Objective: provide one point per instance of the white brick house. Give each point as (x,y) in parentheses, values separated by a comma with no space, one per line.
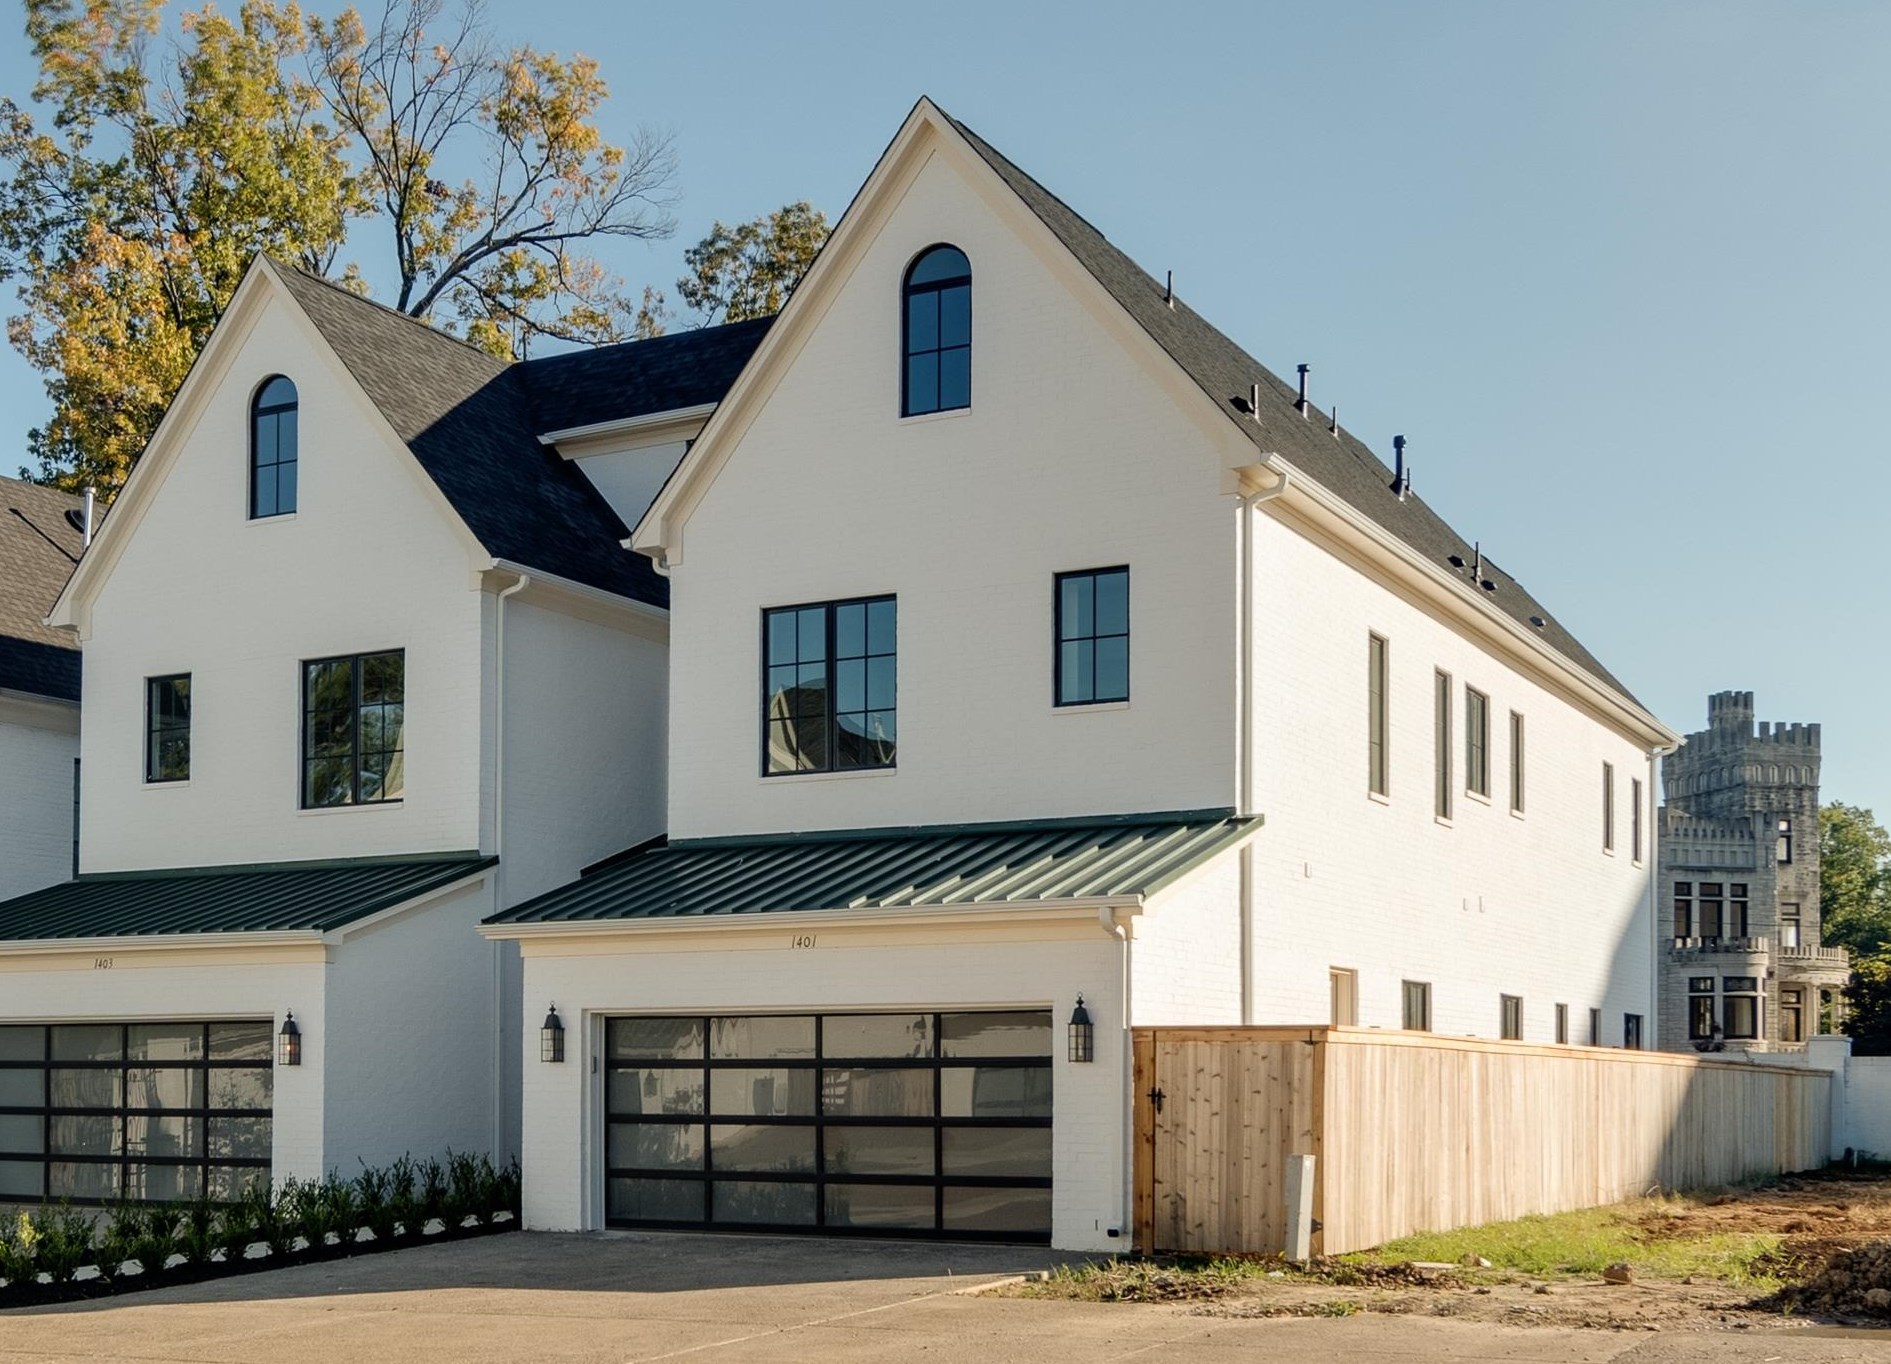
(41,538)
(932,779)
(364,662)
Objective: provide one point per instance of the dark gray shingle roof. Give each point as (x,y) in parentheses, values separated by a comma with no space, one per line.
(39,548)
(473,422)
(1344,466)
(285,897)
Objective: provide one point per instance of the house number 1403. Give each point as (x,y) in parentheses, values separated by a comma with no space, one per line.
(802,940)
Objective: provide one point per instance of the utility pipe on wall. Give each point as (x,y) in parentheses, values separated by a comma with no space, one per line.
(498,847)
(1245,708)
(1653,1031)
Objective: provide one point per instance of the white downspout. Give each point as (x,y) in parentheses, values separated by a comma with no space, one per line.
(499,848)
(1244,681)
(1654,905)
(1126,1185)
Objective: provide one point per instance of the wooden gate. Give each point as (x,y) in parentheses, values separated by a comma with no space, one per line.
(1218,1111)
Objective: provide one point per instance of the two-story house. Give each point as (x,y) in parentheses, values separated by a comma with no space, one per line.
(42,534)
(1742,966)
(365,661)
(1042,665)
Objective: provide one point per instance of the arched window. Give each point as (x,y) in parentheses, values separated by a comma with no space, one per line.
(272,449)
(936,314)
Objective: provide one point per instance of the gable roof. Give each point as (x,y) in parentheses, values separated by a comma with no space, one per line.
(39,548)
(1124,857)
(309,897)
(473,421)
(1226,373)
(638,378)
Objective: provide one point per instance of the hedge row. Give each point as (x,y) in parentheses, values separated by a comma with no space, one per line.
(144,1245)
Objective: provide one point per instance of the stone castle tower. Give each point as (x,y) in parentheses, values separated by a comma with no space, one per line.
(1743,968)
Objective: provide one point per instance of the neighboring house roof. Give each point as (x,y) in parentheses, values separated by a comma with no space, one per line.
(39,547)
(1124,857)
(1226,373)
(473,422)
(638,378)
(282,897)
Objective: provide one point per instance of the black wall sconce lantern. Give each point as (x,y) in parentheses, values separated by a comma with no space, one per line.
(289,1042)
(551,1038)
(1083,1034)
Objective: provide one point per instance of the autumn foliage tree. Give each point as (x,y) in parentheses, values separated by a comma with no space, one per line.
(135,191)
(746,271)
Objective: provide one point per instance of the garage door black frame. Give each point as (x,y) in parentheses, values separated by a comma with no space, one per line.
(821,1123)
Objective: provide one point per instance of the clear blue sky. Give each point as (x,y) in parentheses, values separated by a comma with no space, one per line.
(1618,270)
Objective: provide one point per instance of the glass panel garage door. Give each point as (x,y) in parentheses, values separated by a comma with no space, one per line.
(150,1111)
(916,1124)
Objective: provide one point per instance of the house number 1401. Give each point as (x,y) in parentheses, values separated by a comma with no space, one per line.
(802,940)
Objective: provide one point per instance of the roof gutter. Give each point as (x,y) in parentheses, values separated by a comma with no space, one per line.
(1625,715)
(630,426)
(595,596)
(42,947)
(1099,909)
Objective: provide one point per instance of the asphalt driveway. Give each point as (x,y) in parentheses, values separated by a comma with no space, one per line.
(623,1298)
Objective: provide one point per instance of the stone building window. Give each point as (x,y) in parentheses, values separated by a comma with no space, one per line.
(1700,1008)
(1737,910)
(1709,913)
(1789,925)
(1783,849)
(1740,1005)
(1683,909)
(1792,1014)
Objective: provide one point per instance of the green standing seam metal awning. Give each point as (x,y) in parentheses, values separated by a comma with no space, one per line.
(1128,856)
(283,897)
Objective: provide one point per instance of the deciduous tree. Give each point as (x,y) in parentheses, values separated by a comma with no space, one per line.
(746,271)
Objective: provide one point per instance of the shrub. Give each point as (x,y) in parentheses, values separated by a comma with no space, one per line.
(199,1231)
(65,1241)
(432,1196)
(19,1250)
(403,1196)
(374,1196)
(509,1190)
(152,1234)
(323,1207)
(472,1186)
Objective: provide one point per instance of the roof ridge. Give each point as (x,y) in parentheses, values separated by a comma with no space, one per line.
(409,318)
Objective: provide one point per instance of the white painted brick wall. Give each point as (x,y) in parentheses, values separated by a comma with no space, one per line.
(35,805)
(563,1122)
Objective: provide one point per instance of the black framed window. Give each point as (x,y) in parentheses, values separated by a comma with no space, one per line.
(934,1124)
(273,449)
(354,729)
(1415,999)
(1441,743)
(1710,911)
(1740,1006)
(1792,1014)
(1510,1017)
(1378,775)
(1608,807)
(1737,918)
(1783,841)
(1631,1031)
(830,686)
(1476,742)
(1634,818)
(1516,762)
(1683,909)
(936,331)
(167,728)
(1595,1027)
(157,1112)
(1700,1008)
(1562,1024)
(1092,636)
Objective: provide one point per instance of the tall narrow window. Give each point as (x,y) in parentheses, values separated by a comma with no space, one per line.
(1792,1014)
(1740,1006)
(1516,762)
(1595,1027)
(1510,1017)
(1783,841)
(1442,744)
(1710,913)
(1683,909)
(1789,925)
(1092,636)
(1631,1031)
(354,729)
(1377,767)
(937,326)
(1416,997)
(1344,984)
(829,698)
(1634,818)
(167,728)
(1737,925)
(1476,742)
(1700,1009)
(273,449)
(1562,1024)
(1608,807)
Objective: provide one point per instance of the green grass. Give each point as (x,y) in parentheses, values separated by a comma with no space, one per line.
(1587,1241)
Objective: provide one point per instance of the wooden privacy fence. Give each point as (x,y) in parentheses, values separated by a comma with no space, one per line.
(1414,1132)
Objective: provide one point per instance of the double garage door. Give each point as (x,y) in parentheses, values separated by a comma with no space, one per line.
(892,1124)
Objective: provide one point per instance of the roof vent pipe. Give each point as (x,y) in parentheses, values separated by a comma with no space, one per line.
(1401,476)
(1334,428)
(1168,290)
(1254,401)
(1301,401)
(91,502)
